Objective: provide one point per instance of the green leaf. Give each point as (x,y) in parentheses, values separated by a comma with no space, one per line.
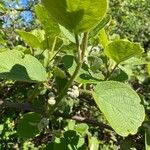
(93,143)
(69,63)
(16,66)
(69,141)
(147,135)
(49,25)
(29,38)
(77,16)
(121,106)
(70,36)
(86,78)
(40,34)
(28,125)
(100,26)
(119,75)
(82,128)
(122,50)
(148,68)
(60,78)
(103,37)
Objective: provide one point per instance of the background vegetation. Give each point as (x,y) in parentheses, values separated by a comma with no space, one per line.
(129,19)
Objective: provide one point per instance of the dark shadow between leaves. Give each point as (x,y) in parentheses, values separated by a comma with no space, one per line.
(69,141)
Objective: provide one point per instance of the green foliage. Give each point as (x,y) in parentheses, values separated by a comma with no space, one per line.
(74,82)
(69,141)
(30,39)
(118,102)
(78,16)
(122,50)
(28,125)
(16,66)
(130,19)
(147,136)
(49,25)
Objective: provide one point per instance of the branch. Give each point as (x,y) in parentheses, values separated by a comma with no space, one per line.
(20,106)
(29,107)
(81,119)
(62,94)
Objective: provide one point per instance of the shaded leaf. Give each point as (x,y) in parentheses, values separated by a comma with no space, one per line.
(28,125)
(69,141)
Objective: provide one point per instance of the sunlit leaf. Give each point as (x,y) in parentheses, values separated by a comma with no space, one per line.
(121,106)
(16,66)
(77,16)
(122,50)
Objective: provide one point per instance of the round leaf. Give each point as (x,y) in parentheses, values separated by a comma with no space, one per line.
(28,125)
(120,105)
(77,16)
(122,50)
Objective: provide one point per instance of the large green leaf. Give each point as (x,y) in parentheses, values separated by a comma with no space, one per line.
(122,50)
(77,16)
(120,105)
(28,125)
(15,66)
(50,26)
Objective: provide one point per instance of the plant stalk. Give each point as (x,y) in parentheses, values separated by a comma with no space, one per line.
(81,55)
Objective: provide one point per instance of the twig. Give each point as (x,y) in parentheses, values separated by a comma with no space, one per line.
(110,74)
(29,107)
(81,119)
(78,67)
(51,51)
(20,106)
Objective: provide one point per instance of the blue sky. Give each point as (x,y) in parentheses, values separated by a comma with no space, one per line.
(24,2)
(26,15)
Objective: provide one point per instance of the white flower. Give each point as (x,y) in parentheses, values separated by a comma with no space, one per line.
(73,92)
(51,99)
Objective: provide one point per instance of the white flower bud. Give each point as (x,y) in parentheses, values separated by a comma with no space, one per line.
(73,92)
(51,101)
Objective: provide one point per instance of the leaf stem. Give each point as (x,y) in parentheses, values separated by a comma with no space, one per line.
(110,74)
(51,50)
(81,55)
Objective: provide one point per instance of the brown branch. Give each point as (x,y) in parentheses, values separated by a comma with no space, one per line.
(29,107)
(81,119)
(20,106)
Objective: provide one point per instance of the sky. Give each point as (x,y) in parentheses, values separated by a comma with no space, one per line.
(26,15)
(24,2)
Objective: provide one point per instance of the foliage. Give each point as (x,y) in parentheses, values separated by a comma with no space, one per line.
(67,83)
(130,19)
